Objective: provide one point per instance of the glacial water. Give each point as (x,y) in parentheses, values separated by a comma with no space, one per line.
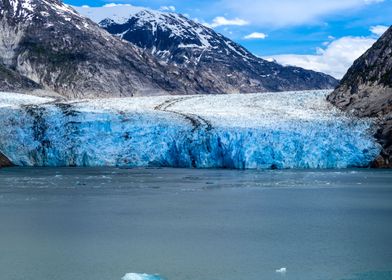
(254,131)
(191,224)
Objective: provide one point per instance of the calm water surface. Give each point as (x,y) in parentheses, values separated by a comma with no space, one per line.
(99,224)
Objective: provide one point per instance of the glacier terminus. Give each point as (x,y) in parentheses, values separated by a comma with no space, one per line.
(252,131)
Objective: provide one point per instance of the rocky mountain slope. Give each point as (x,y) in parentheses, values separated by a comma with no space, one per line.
(175,39)
(366,90)
(11,80)
(51,44)
(47,44)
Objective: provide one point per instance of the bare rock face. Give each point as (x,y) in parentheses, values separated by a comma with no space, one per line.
(50,44)
(4,161)
(218,64)
(366,90)
(47,44)
(12,81)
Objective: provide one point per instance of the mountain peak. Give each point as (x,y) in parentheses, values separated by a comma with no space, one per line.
(55,47)
(29,8)
(175,39)
(49,43)
(168,31)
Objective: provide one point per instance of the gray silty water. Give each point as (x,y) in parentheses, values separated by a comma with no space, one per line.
(101,223)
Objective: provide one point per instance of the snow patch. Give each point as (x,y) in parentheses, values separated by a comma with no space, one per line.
(119,13)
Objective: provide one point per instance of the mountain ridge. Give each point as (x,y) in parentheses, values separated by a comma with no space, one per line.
(51,44)
(366,90)
(175,39)
(48,45)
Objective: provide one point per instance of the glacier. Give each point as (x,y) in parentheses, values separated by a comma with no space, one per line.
(251,131)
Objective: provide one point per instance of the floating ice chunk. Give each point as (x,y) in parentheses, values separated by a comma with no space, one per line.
(281,270)
(141,276)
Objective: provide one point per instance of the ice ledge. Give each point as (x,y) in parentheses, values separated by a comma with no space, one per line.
(271,130)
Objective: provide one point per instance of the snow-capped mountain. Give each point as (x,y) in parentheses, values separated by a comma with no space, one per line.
(175,39)
(48,43)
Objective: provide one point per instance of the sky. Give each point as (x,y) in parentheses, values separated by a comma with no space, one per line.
(322,35)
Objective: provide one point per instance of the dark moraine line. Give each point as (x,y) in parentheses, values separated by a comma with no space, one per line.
(196,121)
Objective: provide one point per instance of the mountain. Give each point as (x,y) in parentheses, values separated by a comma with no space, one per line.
(366,90)
(48,43)
(207,55)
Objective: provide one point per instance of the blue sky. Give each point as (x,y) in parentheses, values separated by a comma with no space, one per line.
(290,31)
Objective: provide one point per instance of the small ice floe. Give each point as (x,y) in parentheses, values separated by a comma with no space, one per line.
(141,276)
(281,270)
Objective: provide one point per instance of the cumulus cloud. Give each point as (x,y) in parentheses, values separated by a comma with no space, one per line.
(222,21)
(334,59)
(110,5)
(288,12)
(378,29)
(255,35)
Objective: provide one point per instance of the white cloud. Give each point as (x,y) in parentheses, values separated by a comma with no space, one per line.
(110,5)
(334,59)
(168,8)
(255,35)
(222,21)
(273,13)
(379,29)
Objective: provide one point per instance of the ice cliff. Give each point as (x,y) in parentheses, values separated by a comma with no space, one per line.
(268,130)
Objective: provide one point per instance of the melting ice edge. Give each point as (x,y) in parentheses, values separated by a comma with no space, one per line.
(266,130)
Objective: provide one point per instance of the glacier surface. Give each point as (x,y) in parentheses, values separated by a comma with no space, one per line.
(265,130)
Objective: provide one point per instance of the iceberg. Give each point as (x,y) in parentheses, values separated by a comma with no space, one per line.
(265,130)
(141,276)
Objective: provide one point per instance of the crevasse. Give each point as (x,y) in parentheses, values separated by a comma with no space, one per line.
(269,130)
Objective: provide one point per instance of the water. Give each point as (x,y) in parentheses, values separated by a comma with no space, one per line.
(186,224)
